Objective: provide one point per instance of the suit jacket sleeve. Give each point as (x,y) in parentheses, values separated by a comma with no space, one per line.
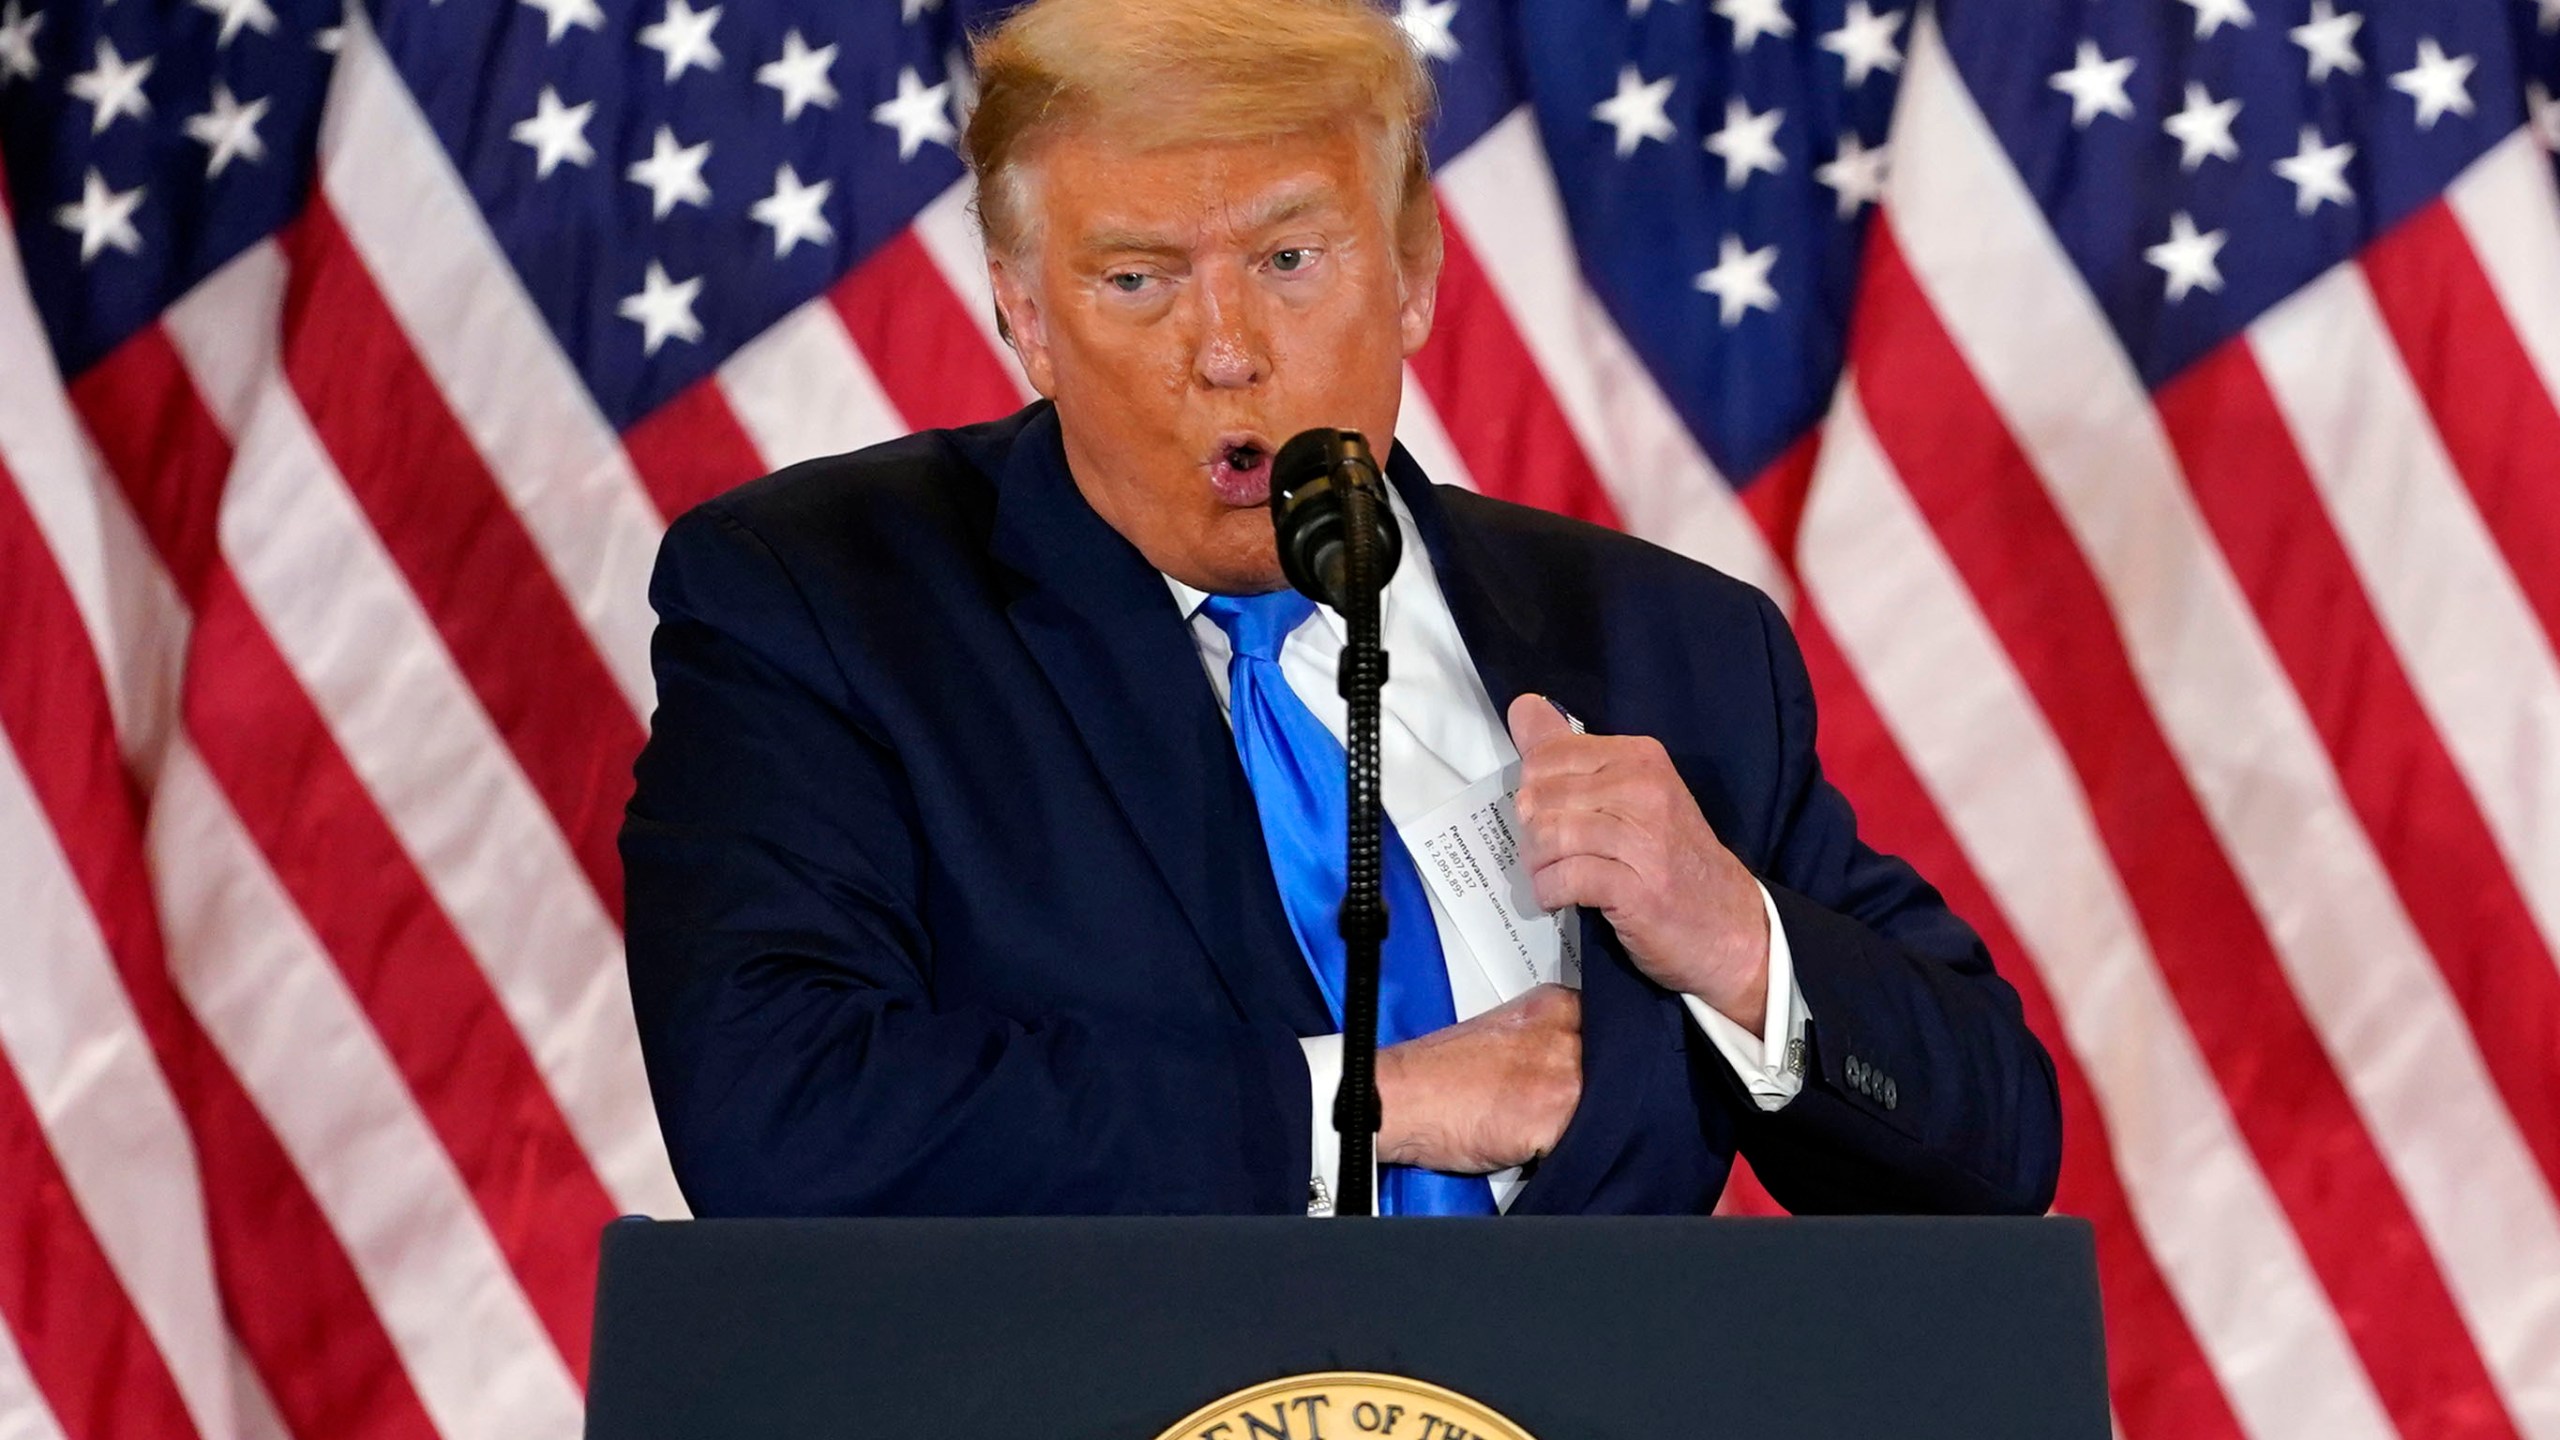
(783,973)
(1925,1091)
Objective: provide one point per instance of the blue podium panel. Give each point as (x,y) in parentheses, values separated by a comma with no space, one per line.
(1594,1329)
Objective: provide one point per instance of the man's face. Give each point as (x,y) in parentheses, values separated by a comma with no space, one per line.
(1193,307)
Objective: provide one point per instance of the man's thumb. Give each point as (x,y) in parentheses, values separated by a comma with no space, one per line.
(1535,720)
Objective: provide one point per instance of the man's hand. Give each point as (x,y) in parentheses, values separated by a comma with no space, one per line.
(1485,1095)
(1609,824)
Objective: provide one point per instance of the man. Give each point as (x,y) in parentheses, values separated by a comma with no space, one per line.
(969,866)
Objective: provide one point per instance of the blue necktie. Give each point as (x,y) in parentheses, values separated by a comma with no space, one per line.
(1296,769)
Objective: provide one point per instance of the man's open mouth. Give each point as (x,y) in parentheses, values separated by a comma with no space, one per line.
(1240,470)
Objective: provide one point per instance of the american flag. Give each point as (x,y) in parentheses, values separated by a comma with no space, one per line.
(2145,410)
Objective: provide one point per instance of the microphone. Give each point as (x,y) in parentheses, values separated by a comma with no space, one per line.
(1311,513)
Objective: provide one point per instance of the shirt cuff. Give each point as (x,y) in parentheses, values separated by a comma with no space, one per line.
(1770,1063)
(1324,1076)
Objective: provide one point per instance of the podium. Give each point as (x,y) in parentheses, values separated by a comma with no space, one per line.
(1570,1329)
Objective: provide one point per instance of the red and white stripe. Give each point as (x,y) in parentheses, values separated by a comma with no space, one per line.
(472,328)
(1980,745)
(2230,713)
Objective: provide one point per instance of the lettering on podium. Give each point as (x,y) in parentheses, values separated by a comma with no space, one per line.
(1345,1405)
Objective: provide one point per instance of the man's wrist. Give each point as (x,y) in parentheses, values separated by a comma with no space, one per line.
(1766,1049)
(1394,1099)
(1747,1007)
(1745,1002)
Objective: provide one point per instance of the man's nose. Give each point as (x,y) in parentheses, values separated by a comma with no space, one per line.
(1232,353)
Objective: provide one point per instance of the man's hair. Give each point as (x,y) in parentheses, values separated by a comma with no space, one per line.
(1171,72)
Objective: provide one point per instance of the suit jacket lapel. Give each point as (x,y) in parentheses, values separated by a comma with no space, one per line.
(1509,634)
(1628,1024)
(1103,628)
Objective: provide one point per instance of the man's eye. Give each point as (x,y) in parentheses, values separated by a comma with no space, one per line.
(1293,259)
(1128,282)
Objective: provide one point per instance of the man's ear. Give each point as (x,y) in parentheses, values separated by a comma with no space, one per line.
(1023,324)
(1418,289)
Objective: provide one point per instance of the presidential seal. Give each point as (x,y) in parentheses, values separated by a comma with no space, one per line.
(1345,1405)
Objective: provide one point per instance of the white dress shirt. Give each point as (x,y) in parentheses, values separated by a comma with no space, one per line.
(1438,733)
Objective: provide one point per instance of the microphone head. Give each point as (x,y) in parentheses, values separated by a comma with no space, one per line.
(1315,455)
(1308,478)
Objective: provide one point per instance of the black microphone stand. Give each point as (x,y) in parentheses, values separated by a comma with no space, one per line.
(1338,544)
(1363,919)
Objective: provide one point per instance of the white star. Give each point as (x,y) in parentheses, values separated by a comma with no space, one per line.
(230,129)
(909,11)
(801,76)
(559,15)
(2328,41)
(329,41)
(663,308)
(556,132)
(114,88)
(1748,143)
(1740,281)
(2543,110)
(2187,258)
(18,43)
(2437,83)
(1856,176)
(2212,15)
(1637,109)
(1755,18)
(2095,85)
(1865,41)
(793,210)
(921,112)
(236,13)
(683,36)
(1426,24)
(2203,128)
(2317,172)
(673,174)
(1637,8)
(2550,18)
(103,217)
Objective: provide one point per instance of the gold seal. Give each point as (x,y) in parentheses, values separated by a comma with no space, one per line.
(1345,1405)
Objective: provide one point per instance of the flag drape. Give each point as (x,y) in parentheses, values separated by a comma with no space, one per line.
(2145,411)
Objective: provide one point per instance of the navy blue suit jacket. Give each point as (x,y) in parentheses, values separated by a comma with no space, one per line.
(946,894)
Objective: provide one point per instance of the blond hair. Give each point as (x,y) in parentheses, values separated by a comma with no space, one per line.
(1170,72)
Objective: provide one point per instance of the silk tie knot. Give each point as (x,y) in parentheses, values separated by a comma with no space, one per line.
(1258,625)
